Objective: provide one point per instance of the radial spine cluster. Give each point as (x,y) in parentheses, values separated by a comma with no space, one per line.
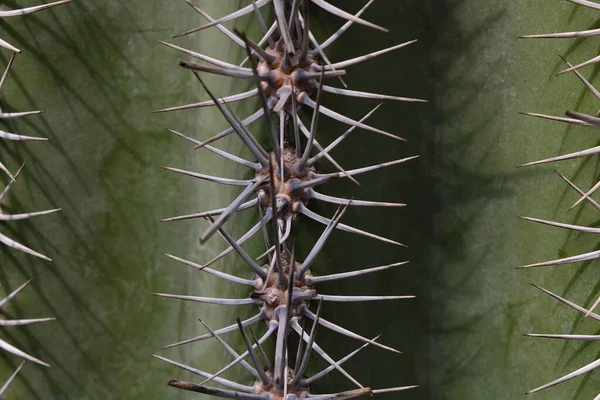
(289,68)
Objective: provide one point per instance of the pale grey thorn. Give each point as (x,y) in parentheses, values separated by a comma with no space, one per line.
(336,328)
(12,377)
(25,11)
(3,322)
(587,368)
(252,320)
(222,381)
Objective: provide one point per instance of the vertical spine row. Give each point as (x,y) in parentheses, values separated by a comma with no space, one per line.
(290,70)
(12,177)
(576,119)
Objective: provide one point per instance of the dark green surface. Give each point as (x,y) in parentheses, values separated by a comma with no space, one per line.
(97,70)
(462,335)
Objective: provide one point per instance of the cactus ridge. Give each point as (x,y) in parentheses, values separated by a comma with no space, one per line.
(578,119)
(284,65)
(13,177)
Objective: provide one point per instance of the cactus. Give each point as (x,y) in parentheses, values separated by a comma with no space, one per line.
(577,119)
(97,69)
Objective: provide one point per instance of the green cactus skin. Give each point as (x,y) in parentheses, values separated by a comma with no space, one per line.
(97,70)
(462,337)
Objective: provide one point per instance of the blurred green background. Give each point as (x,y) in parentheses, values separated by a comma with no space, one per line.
(97,70)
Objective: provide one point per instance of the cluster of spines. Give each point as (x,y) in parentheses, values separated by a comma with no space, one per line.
(578,119)
(284,66)
(12,179)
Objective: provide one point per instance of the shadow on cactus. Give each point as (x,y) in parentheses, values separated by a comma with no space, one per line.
(15,217)
(577,119)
